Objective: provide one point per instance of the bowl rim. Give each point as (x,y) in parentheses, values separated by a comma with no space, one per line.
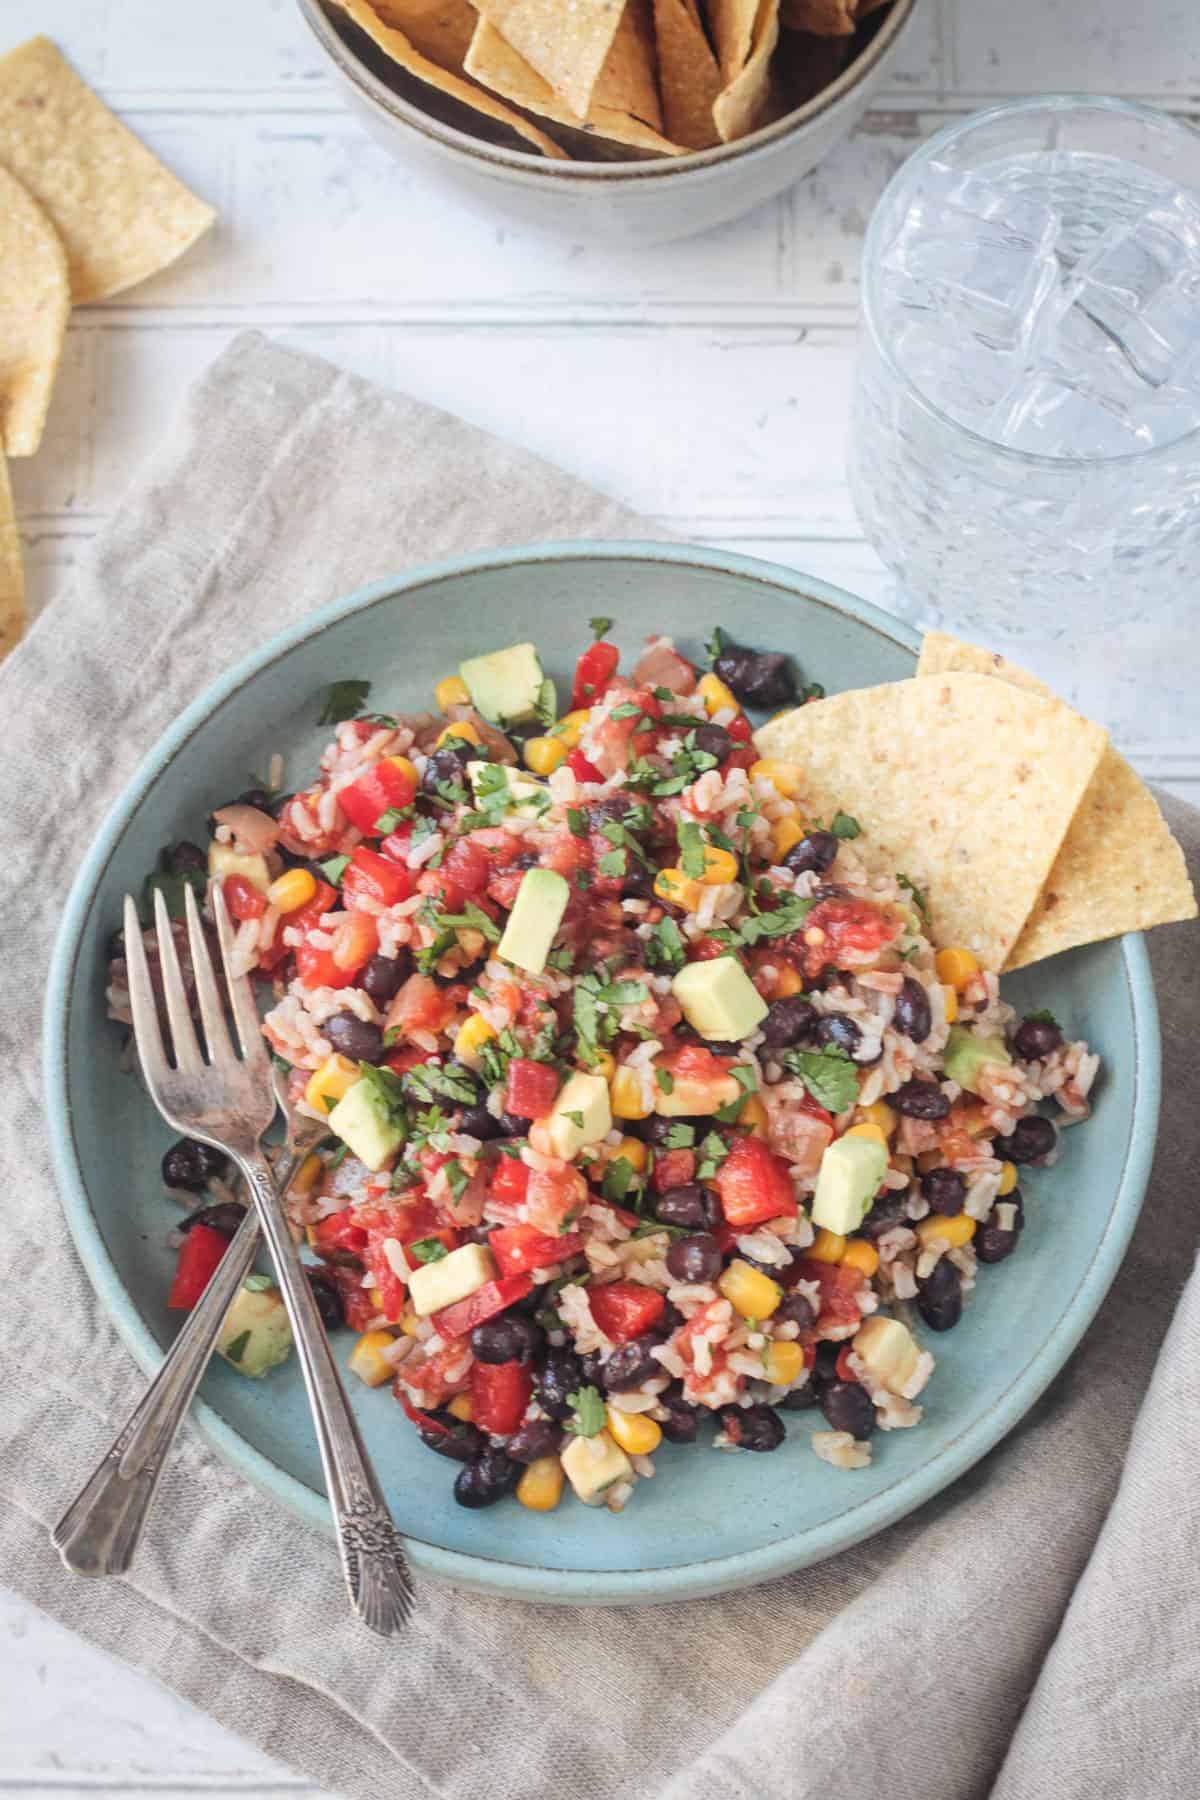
(536,170)
(528,1581)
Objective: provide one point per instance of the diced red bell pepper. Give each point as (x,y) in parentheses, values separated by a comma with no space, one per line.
(593,672)
(842,1365)
(199,1254)
(849,928)
(370,876)
(420,1005)
(358,1302)
(740,729)
(468,865)
(316,968)
(429,1377)
(398,843)
(377,790)
(673,1168)
(510,1179)
(307,916)
(532,1088)
(455,1321)
(406,1056)
(425,1420)
(242,898)
(624,1309)
(446,1235)
(518,1248)
(582,769)
(754,1185)
(392,1287)
(839,1284)
(355,941)
(500,1392)
(337,1237)
(554,1199)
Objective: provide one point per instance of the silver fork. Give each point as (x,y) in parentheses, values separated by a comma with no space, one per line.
(101,1529)
(228,1102)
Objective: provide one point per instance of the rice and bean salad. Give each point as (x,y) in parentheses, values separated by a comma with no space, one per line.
(650,1103)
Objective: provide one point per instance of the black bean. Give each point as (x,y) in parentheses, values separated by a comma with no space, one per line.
(945,1189)
(799,1399)
(682,1421)
(825,1367)
(605,812)
(815,851)
(993,1243)
(534,1302)
(192,1165)
(638,884)
(460,1441)
(184,856)
(507,1338)
(795,1309)
(839,1032)
(328,1299)
(694,1207)
(1035,1038)
(714,740)
(847,1407)
(226,1217)
(912,1015)
(1033,1139)
(449,764)
(477,1234)
(525,859)
(591,1368)
(888,1212)
(753,1427)
(559,1376)
(939,1296)
(533,1440)
(831,890)
(756,677)
(630,1364)
(788,1021)
(919,1099)
(354,1037)
(258,797)
(487,1479)
(478,1122)
(513,1125)
(656,1129)
(696,1258)
(385,975)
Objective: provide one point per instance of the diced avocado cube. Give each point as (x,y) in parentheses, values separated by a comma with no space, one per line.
(847,1183)
(888,1349)
(434,1285)
(692,1096)
(965,1054)
(536,915)
(593,1465)
(256,1334)
(224,860)
(523,794)
(505,685)
(582,1115)
(367,1125)
(719,1000)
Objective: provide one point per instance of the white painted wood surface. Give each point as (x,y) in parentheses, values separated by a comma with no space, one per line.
(705,383)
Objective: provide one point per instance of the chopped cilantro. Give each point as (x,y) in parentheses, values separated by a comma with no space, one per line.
(691,848)
(623,993)
(628,709)
(258,1284)
(546,704)
(665,1080)
(843,826)
(472,918)
(338,1158)
(811,690)
(172,885)
(576,1119)
(599,627)
(788,916)
(590,1412)
(746,1075)
(343,700)
(680,1137)
(713,1152)
(388,1090)
(618,1179)
(427,1082)
(828,1074)
(1043,1017)
(335,868)
(583,878)
(717,838)
(919,900)
(456,1176)
(665,948)
(562,957)
(613,862)
(428,1250)
(577,821)
(715,644)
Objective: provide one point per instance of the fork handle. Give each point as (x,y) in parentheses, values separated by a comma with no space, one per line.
(371,1549)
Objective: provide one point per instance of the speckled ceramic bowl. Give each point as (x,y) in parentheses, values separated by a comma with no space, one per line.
(709,1521)
(616,203)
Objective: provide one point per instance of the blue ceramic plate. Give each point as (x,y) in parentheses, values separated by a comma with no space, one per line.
(728,1520)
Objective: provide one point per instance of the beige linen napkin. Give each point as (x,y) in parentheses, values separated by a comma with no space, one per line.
(1033,1634)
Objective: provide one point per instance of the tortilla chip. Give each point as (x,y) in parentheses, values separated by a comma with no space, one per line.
(965,784)
(35,301)
(731,23)
(627,81)
(688,74)
(439,30)
(394,44)
(824,18)
(492,59)
(742,107)
(12,574)
(1119,868)
(566,42)
(120,214)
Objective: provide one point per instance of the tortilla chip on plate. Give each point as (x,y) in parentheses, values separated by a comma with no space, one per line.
(824,18)
(731,25)
(627,82)
(964,784)
(120,214)
(12,573)
(566,42)
(395,44)
(437,29)
(688,74)
(1119,868)
(35,302)
(742,105)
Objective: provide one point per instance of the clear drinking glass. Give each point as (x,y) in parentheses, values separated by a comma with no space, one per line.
(1025,447)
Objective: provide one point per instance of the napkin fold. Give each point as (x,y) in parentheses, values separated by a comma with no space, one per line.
(1032,1634)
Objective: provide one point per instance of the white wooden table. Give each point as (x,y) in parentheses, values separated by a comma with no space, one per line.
(705,383)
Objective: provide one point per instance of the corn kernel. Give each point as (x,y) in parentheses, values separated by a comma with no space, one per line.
(604,1063)
(409,1322)
(784,834)
(716,695)
(720,866)
(335,1077)
(367,1359)
(956,965)
(861,1255)
(634,1152)
(787,777)
(788,980)
(543,754)
(950,1004)
(471,1036)
(827,1246)
(450,691)
(407,766)
(955,1231)
(461,1408)
(782,1362)
(540,1487)
(677,889)
(1008,1179)
(881,1114)
(868,1129)
(753,1116)
(749,1291)
(636,1434)
(294,888)
(459,728)
(626,1098)
(569,730)
(307,1175)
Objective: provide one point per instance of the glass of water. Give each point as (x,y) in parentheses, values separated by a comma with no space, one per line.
(1025,450)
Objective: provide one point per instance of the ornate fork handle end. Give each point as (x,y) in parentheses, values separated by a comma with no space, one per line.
(376,1568)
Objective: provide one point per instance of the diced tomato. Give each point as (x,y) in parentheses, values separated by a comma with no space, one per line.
(398,843)
(420,1005)
(407,1056)
(838,1284)
(468,865)
(432,881)
(425,1420)
(754,1185)
(503,887)
(243,898)
(661,666)
(624,1309)
(316,968)
(706,949)
(593,672)
(744,756)
(370,876)
(199,1254)
(510,1179)
(673,1168)
(740,729)
(307,916)
(427,1376)
(379,789)
(581,768)
(532,1087)
(355,941)
(392,1287)
(800,1137)
(492,1298)
(853,932)
(565,853)
(519,1248)
(554,1199)
(500,1392)
(338,1237)
(699,1063)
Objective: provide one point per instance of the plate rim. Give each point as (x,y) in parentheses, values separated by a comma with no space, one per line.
(526,1581)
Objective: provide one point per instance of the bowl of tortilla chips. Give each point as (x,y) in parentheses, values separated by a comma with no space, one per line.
(619,121)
